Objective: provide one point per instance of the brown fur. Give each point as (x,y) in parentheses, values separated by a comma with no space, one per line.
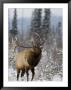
(27,60)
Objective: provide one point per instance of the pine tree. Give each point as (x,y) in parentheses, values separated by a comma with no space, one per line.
(36,21)
(59,28)
(59,34)
(46,23)
(14,31)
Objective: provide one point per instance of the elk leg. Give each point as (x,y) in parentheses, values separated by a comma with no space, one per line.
(33,73)
(27,74)
(22,73)
(18,71)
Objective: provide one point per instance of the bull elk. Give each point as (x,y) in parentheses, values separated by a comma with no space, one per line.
(28,59)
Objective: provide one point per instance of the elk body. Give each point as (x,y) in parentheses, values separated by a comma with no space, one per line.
(28,59)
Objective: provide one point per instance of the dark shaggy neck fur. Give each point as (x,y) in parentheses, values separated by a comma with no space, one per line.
(36,56)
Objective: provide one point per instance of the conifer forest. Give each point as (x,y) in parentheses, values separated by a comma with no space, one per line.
(31,27)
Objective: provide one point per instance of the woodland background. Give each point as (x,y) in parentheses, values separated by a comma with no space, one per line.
(49,26)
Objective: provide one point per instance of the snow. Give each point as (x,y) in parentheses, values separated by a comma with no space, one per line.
(57,78)
(46,69)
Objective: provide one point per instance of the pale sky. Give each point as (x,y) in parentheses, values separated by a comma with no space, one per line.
(27,13)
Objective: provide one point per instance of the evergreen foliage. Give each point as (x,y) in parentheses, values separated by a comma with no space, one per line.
(14,24)
(46,23)
(36,21)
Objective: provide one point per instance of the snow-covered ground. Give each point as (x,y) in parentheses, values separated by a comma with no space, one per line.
(47,69)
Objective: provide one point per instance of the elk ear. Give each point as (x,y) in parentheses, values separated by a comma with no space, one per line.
(32,40)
